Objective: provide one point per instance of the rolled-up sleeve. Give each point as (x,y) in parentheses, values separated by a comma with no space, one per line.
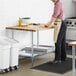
(57,10)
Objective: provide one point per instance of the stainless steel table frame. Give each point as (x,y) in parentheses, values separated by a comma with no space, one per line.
(32,29)
(32,39)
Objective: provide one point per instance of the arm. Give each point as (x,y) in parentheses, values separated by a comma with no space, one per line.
(52,20)
(54,16)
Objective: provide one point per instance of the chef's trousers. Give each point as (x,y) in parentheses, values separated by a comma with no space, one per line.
(60,45)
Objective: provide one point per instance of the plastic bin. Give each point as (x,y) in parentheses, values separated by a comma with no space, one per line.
(4,56)
(14,57)
(13,52)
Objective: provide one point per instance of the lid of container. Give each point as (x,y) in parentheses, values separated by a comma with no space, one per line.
(26,18)
(4,45)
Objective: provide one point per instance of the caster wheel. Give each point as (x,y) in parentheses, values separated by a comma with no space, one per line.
(15,67)
(2,71)
(6,70)
(12,68)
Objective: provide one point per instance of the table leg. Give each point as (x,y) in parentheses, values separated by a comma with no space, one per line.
(13,37)
(73,61)
(37,38)
(12,34)
(32,51)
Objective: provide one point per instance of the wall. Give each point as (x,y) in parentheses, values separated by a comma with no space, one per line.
(10,11)
(69,7)
(40,11)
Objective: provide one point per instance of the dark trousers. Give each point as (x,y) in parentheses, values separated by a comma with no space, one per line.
(60,45)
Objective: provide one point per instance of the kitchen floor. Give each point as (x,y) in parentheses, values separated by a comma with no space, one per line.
(25,65)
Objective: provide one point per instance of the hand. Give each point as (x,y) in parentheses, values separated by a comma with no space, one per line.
(30,23)
(47,25)
(51,26)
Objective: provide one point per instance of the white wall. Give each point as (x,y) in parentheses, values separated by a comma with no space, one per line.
(41,13)
(39,10)
(69,7)
(10,11)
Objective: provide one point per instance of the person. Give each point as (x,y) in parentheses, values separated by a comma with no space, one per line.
(57,20)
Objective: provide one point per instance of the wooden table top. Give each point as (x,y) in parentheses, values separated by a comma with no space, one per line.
(72,43)
(33,28)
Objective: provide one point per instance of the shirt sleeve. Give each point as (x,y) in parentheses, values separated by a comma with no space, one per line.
(56,10)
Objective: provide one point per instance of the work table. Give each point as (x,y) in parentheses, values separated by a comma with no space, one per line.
(33,28)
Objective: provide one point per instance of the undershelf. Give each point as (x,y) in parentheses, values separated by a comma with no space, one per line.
(38,51)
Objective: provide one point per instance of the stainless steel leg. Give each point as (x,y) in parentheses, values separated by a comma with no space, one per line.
(32,51)
(6,33)
(37,38)
(12,34)
(13,37)
(73,61)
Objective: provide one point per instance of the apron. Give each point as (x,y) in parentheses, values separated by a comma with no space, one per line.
(57,25)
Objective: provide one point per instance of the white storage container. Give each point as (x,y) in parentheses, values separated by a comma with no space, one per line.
(14,57)
(4,56)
